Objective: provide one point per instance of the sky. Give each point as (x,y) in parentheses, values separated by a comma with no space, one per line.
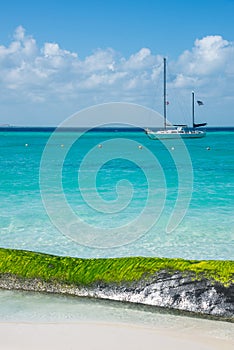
(59,57)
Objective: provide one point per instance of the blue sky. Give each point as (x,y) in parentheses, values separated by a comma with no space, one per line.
(57,57)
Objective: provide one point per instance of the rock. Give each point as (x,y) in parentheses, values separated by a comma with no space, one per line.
(177,290)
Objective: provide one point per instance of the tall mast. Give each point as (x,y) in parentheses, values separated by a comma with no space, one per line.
(165,92)
(193,108)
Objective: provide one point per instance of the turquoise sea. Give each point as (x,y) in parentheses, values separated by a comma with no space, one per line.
(112,193)
(107,181)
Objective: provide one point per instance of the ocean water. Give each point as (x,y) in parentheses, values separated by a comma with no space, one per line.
(111,194)
(117,193)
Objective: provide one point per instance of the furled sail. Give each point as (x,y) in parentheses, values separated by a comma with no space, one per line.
(197,125)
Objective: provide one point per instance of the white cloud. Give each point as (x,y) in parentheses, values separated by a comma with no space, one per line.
(100,60)
(140,60)
(19,34)
(53,49)
(50,74)
(209,54)
(208,69)
(183,80)
(21,48)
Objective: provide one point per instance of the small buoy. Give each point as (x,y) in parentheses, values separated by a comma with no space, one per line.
(140,147)
(99,146)
(26,144)
(208,148)
(172,148)
(62,145)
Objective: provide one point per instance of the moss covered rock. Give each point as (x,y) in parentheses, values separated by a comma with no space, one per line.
(205,287)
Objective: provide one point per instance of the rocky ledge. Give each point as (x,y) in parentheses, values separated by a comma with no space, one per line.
(174,290)
(203,287)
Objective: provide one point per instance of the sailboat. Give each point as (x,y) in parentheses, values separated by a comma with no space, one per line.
(176,131)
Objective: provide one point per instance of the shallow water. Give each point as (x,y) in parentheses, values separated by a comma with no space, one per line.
(21,307)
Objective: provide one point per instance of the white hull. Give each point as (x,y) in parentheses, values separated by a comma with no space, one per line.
(174,134)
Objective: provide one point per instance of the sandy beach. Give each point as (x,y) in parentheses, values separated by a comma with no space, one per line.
(99,336)
(41,321)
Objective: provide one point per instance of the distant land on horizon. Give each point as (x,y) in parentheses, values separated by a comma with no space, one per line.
(108,127)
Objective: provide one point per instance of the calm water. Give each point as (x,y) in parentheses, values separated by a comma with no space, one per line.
(82,178)
(24,307)
(90,171)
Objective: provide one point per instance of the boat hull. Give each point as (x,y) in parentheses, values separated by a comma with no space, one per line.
(164,135)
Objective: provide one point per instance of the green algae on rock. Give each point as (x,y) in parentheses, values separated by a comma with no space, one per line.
(201,287)
(27,264)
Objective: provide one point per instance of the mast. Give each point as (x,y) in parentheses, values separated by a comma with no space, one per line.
(193,109)
(165,92)
(193,117)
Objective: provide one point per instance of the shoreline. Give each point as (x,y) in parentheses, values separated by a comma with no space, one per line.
(103,336)
(43,321)
(214,306)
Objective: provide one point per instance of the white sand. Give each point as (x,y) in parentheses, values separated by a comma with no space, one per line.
(48,322)
(99,336)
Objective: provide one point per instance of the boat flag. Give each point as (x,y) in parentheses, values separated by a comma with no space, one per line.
(200,103)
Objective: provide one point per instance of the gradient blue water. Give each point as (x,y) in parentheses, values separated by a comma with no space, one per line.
(206,232)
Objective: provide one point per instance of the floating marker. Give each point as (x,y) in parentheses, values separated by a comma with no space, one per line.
(172,148)
(208,148)
(99,146)
(62,145)
(26,144)
(140,147)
